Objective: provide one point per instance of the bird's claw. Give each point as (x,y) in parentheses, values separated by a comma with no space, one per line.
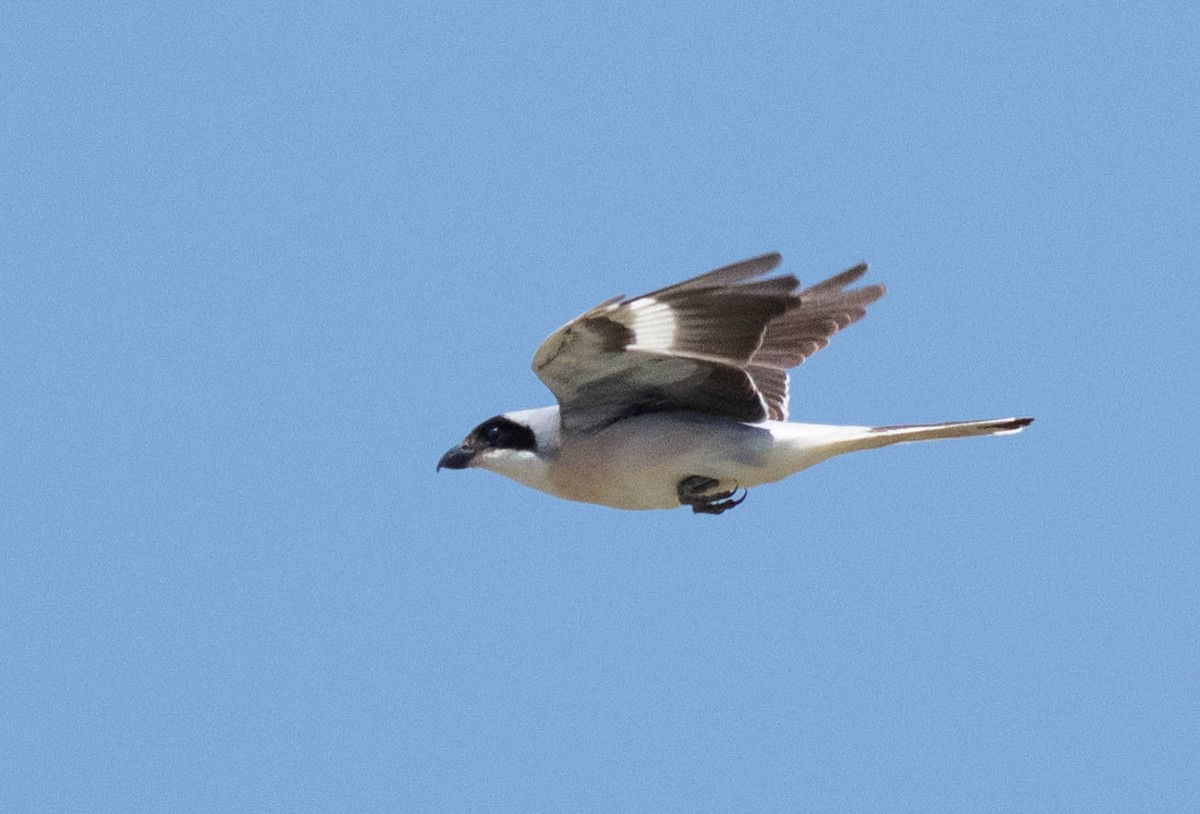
(693,491)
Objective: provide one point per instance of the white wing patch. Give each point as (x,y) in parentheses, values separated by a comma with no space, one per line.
(652,323)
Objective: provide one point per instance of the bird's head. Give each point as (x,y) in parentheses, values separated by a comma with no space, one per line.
(515,445)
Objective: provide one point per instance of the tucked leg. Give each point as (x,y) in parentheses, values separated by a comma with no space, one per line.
(694,491)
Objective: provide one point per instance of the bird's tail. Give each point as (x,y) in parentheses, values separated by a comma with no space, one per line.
(799,446)
(874,437)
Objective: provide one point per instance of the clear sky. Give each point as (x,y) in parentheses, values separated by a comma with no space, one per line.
(262,263)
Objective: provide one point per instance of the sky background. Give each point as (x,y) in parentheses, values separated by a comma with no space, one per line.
(261,264)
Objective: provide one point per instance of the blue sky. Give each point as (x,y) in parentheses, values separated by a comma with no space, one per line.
(263,263)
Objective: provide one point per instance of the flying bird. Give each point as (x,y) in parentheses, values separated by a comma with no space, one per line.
(679,397)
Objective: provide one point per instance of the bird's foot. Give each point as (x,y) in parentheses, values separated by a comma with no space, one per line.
(694,491)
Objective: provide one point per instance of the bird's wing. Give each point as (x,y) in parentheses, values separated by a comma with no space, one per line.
(718,344)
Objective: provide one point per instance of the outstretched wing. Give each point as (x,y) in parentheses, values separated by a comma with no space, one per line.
(718,344)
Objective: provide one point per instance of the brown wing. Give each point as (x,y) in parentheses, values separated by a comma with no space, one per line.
(821,311)
(717,344)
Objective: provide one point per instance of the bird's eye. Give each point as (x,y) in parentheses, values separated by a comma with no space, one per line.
(493,434)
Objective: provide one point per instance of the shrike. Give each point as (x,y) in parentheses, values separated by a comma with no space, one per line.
(679,397)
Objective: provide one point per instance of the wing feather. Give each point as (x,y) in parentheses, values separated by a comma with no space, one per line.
(718,344)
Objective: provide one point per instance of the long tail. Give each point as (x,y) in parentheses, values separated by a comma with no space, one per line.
(799,446)
(903,433)
(843,440)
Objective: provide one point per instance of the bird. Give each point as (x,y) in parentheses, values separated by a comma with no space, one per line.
(679,397)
